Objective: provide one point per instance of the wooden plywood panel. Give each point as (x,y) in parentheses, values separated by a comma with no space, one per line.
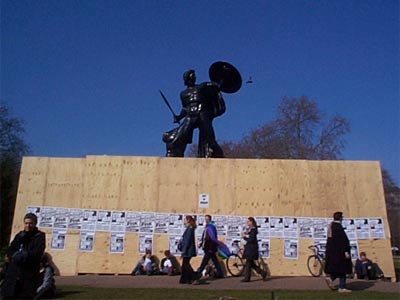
(65,260)
(64,182)
(31,188)
(178,185)
(217,181)
(139,184)
(235,187)
(102,182)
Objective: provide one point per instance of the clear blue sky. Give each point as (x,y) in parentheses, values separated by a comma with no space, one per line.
(84,75)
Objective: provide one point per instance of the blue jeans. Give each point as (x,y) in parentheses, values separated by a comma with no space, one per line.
(342,280)
(139,270)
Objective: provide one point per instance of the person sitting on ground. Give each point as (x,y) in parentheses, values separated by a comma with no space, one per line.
(169,264)
(147,265)
(46,282)
(366,269)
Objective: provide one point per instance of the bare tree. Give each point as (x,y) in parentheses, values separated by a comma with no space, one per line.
(300,131)
(12,148)
(392,197)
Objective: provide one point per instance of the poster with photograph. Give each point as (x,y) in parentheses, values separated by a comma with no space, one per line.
(175,226)
(58,239)
(377,229)
(306,228)
(290,248)
(263,226)
(362,228)
(290,227)
(103,222)
(276,227)
(263,247)
(118,219)
(233,244)
(173,244)
(89,219)
(117,240)
(75,217)
(200,251)
(145,242)
(201,220)
(220,224)
(353,249)
(320,244)
(234,227)
(132,221)
(61,218)
(320,228)
(350,228)
(86,241)
(146,222)
(161,223)
(47,215)
(35,210)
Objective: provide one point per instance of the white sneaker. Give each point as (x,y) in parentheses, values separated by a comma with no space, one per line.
(344,291)
(330,284)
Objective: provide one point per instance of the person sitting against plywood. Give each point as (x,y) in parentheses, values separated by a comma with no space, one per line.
(366,269)
(147,265)
(170,265)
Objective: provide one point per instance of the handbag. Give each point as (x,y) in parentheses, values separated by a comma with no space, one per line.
(180,245)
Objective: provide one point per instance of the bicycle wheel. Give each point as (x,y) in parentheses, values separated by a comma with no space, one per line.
(235,265)
(314,265)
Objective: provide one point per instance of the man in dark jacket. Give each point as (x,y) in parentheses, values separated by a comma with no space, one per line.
(25,253)
(210,247)
(337,257)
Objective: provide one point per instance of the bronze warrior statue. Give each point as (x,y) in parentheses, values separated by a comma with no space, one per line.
(201,103)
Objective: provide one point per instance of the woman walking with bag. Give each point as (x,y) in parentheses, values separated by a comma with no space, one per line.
(251,251)
(188,249)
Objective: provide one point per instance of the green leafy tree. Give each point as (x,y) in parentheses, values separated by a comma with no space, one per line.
(12,148)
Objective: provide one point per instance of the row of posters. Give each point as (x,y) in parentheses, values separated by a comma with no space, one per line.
(146,224)
(172,223)
(117,242)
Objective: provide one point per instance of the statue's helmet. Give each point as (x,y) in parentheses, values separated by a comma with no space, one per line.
(189,76)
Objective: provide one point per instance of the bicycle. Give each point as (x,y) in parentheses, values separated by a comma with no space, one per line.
(316,261)
(235,263)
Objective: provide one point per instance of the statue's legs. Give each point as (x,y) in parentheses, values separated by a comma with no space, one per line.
(177,139)
(208,146)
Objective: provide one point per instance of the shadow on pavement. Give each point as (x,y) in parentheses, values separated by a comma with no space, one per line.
(62,294)
(359,285)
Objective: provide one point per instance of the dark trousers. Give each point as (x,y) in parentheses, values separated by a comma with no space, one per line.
(342,280)
(371,271)
(250,264)
(187,275)
(206,258)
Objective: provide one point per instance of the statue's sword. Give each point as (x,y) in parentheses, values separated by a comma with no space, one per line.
(167,103)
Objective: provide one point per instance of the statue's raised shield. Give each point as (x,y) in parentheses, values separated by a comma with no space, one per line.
(226,75)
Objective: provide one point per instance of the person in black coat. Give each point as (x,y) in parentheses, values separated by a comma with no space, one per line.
(251,251)
(337,256)
(188,249)
(24,253)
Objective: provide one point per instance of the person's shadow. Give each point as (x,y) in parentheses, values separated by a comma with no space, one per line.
(64,294)
(359,285)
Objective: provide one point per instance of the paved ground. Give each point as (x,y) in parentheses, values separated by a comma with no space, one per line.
(230,283)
